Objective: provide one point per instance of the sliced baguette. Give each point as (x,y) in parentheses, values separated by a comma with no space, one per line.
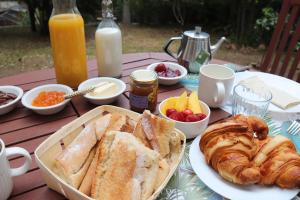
(154,132)
(126,169)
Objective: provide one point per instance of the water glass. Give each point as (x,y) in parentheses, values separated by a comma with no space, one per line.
(251,101)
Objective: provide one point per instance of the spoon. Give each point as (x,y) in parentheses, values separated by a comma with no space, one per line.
(84,91)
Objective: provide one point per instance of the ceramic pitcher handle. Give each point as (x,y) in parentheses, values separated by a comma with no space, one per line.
(19,151)
(220,95)
(166,47)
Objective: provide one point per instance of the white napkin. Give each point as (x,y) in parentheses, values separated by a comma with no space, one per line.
(280,98)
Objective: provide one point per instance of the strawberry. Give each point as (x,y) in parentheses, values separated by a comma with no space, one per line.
(161,68)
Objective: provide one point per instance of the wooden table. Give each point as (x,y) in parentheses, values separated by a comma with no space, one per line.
(25,129)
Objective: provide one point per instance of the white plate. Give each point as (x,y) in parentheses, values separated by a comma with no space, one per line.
(232,191)
(290,86)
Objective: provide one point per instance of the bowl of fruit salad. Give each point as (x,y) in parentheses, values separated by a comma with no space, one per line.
(168,73)
(190,114)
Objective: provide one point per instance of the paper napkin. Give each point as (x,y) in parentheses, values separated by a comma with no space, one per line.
(280,98)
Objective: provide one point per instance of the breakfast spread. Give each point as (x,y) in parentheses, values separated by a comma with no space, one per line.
(105,89)
(143,90)
(50,98)
(6,97)
(116,157)
(241,151)
(184,108)
(164,71)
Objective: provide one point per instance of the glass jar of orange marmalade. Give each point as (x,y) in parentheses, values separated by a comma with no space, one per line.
(143,90)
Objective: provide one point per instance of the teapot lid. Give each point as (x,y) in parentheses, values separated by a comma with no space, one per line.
(196,34)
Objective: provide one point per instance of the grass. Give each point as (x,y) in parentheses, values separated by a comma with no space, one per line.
(21,50)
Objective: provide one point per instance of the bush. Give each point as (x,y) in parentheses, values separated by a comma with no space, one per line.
(264,25)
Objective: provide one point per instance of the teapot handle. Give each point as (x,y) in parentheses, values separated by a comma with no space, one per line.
(166,47)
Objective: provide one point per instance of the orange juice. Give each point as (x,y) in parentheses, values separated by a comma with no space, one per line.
(68,46)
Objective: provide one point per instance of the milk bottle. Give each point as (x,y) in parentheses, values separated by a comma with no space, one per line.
(108,40)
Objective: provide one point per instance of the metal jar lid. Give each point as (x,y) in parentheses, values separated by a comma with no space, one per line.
(196,34)
(144,76)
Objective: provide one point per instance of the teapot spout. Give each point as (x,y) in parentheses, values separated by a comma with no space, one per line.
(215,47)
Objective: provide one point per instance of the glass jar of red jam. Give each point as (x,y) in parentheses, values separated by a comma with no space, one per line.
(143,90)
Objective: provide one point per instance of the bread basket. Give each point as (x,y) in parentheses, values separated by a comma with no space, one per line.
(52,146)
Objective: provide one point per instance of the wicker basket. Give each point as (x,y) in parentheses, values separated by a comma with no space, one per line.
(52,146)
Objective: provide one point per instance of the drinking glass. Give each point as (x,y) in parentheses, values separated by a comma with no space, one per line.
(250,101)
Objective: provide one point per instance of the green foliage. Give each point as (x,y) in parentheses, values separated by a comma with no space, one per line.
(89,9)
(264,25)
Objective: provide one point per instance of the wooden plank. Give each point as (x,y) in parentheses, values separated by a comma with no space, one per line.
(29,145)
(27,182)
(217,114)
(41,193)
(17,113)
(82,105)
(294,66)
(46,74)
(292,46)
(34,120)
(162,56)
(28,77)
(283,42)
(24,134)
(276,35)
(133,57)
(29,86)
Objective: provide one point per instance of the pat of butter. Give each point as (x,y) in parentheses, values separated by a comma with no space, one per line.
(108,89)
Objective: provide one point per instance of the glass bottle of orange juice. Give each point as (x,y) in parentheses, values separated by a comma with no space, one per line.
(66,28)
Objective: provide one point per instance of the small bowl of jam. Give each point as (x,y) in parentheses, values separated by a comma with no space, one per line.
(47,99)
(9,98)
(168,73)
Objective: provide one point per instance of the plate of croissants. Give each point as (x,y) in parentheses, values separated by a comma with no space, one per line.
(237,159)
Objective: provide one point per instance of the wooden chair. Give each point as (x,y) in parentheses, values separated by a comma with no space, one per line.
(282,56)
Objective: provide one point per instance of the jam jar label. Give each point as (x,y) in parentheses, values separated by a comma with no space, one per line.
(138,101)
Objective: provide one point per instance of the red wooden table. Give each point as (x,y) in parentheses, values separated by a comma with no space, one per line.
(23,128)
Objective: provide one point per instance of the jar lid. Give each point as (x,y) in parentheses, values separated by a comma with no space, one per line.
(196,34)
(144,76)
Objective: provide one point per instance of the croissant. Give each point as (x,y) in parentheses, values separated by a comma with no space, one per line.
(279,162)
(230,146)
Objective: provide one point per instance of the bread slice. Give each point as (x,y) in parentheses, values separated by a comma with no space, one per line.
(126,169)
(101,125)
(116,122)
(71,165)
(154,132)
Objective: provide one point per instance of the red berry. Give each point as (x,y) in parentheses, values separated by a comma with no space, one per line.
(160,68)
(192,118)
(187,112)
(201,116)
(173,116)
(177,72)
(170,111)
(180,116)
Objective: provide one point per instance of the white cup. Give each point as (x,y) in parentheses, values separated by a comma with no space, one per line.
(6,173)
(216,83)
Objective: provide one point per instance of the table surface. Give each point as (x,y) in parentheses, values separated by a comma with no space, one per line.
(23,128)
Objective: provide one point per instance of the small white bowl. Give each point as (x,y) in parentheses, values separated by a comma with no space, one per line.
(190,129)
(169,80)
(48,110)
(102,100)
(11,105)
